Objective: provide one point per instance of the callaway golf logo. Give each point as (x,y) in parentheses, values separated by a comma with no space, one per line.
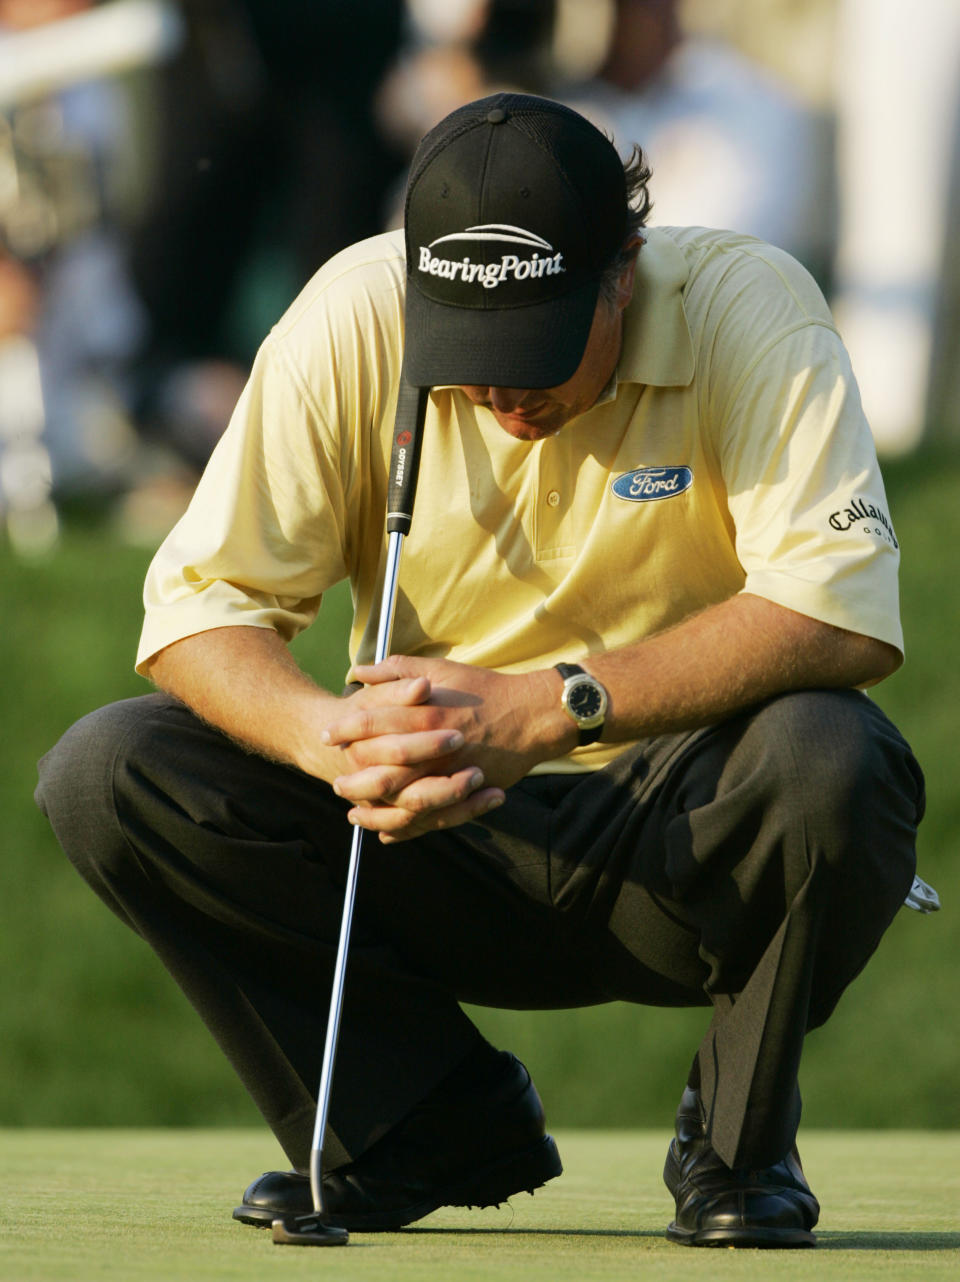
(544,261)
(874,519)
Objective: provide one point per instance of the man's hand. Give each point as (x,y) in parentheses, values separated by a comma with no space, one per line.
(411,748)
(436,743)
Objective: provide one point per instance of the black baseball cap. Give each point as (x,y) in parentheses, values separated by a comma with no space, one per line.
(515,205)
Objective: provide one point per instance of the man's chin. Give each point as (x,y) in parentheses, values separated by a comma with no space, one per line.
(523,429)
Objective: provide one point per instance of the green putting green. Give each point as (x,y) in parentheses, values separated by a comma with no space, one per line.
(95,1205)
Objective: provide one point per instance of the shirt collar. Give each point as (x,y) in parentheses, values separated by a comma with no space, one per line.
(657,348)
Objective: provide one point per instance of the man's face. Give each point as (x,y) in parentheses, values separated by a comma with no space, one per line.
(530,414)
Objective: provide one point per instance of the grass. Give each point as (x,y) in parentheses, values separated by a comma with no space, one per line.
(91,1206)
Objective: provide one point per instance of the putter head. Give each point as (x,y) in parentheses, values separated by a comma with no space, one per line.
(308,1230)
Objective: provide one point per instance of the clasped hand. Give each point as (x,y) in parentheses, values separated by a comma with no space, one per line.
(430,744)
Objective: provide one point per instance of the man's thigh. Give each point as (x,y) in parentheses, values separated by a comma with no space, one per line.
(692,848)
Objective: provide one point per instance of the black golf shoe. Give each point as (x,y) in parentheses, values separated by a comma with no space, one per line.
(717,1206)
(477,1139)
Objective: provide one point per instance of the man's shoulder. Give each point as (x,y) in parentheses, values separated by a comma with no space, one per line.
(724,266)
(702,293)
(368,276)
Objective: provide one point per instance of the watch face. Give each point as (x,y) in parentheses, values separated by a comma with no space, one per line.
(586,700)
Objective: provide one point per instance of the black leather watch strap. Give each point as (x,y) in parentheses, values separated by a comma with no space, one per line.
(568,669)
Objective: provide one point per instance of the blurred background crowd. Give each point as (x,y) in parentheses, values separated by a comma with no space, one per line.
(173,171)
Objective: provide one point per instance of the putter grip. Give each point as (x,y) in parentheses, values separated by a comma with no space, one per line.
(405,456)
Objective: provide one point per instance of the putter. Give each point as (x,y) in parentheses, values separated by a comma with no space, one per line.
(312,1229)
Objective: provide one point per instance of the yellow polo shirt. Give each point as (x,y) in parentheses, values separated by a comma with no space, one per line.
(729,453)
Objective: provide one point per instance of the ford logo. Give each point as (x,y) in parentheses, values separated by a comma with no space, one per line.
(648,483)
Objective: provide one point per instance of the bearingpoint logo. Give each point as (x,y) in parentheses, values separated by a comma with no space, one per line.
(490,275)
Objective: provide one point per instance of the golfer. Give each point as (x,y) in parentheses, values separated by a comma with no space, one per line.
(622,751)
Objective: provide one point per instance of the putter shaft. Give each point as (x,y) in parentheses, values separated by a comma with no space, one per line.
(388,603)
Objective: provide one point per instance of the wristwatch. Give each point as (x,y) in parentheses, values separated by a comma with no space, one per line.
(584,700)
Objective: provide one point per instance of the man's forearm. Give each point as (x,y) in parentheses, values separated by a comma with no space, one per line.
(726,658)
(245,681)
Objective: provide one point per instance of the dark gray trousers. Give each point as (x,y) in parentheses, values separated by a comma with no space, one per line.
(753,865)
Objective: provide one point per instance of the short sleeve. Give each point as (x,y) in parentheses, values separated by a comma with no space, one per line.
(264,535)
(813,530)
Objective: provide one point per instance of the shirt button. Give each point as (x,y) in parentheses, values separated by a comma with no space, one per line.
(553,498)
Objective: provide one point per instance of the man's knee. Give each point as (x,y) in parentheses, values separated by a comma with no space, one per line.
(845,777)
(840,751)
(75,790)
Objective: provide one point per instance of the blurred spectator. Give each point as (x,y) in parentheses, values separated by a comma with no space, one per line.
(459,50)
(64,291)
(898,98)
(729,145)
(268,161)
(19,298)
(793,39)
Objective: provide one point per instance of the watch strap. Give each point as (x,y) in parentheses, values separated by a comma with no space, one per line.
(569,669)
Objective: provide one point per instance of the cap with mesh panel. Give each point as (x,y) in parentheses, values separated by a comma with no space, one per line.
(515,205)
